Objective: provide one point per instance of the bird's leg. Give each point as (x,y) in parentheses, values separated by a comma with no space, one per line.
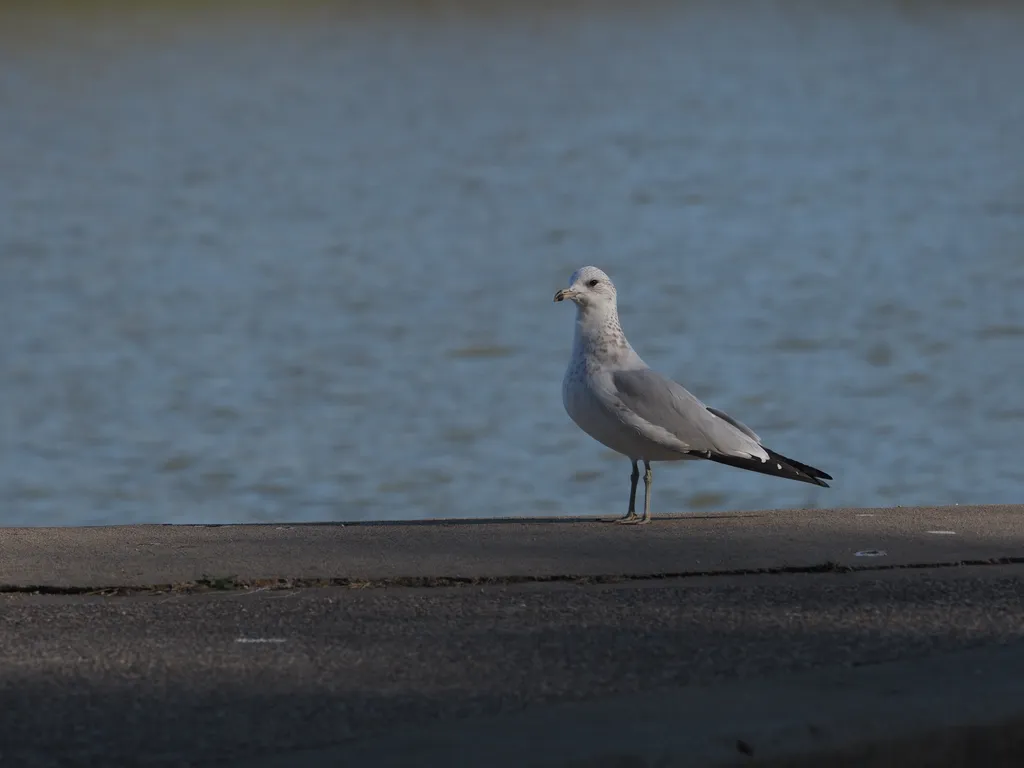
(631,514)
(648,482)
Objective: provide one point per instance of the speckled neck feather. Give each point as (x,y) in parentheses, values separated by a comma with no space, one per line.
(599,337)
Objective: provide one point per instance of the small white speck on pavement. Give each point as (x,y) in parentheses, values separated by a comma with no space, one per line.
(255,640)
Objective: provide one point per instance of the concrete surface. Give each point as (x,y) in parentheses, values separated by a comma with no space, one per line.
(817,715)
(414,553)
(515,660)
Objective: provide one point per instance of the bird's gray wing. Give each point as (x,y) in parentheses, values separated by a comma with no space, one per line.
(738,424)
(665,412)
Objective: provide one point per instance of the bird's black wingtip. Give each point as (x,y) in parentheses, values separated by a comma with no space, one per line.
(803,477)
(810,474)
(778,466)
(817,474)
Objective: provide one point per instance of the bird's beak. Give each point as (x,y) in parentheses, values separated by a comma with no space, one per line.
(565,293)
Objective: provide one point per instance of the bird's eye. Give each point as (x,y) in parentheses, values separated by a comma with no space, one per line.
(593,283)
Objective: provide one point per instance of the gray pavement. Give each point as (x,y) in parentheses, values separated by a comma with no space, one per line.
(418,553)
(642,662)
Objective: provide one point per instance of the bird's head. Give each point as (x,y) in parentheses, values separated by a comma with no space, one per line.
(589,288)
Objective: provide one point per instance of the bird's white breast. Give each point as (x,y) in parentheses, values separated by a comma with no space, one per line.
(587,395)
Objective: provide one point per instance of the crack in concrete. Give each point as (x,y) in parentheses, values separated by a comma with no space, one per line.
(235,584)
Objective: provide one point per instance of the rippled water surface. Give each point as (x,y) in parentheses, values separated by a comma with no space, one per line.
(266,262)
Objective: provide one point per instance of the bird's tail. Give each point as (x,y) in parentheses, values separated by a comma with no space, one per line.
(777,465)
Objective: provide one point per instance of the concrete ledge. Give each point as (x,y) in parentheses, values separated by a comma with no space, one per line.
(995,745)
(510,550)
(963,709)
(786,638)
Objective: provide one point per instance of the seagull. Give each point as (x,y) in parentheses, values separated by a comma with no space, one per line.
(617,399)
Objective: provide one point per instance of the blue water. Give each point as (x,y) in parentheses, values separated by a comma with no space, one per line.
(297,264)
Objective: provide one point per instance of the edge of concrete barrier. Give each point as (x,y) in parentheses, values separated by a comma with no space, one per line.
(956,709)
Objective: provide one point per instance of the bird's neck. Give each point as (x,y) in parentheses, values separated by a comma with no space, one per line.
(599,336)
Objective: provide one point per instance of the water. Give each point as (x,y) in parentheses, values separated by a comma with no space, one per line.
(281,263)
